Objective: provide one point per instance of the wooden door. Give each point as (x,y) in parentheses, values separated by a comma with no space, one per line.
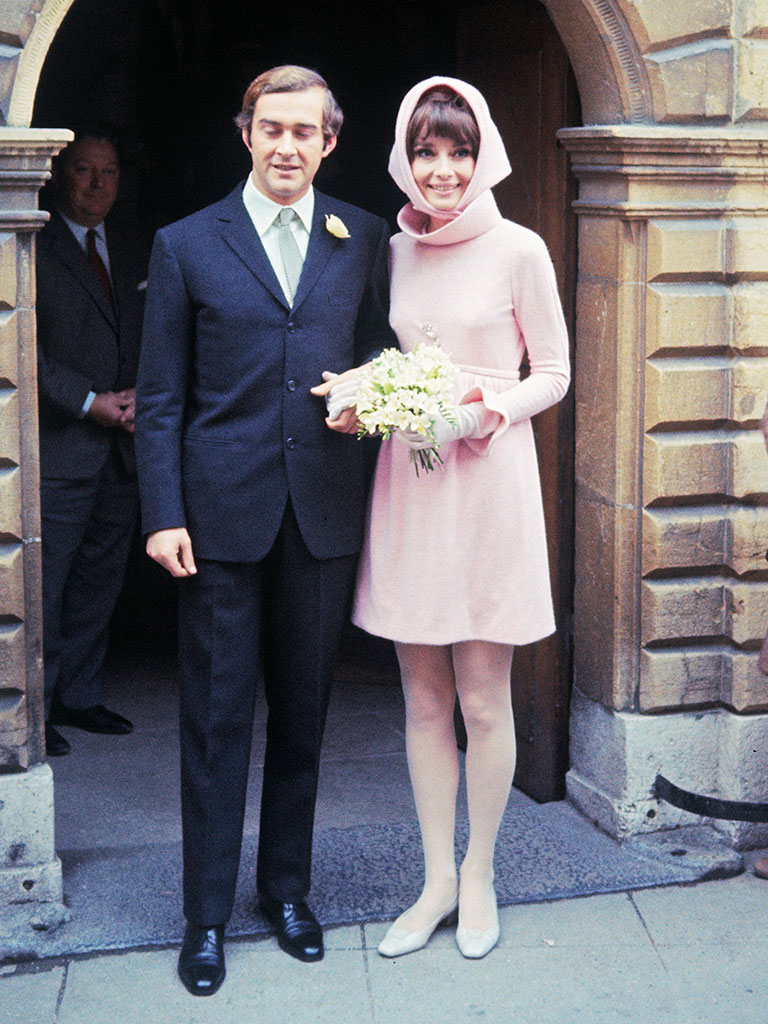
(513,54)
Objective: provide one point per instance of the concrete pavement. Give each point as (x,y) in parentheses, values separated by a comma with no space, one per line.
(688,954)
(682,954)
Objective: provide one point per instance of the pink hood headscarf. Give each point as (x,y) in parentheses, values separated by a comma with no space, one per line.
(477,211)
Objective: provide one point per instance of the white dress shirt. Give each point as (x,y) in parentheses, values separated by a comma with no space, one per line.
(80,231)
(263,212)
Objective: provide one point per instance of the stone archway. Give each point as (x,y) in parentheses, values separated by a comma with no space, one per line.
(671,593)
(35,26)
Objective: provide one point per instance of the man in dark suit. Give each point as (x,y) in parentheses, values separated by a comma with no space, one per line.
(89,311)
(251,500)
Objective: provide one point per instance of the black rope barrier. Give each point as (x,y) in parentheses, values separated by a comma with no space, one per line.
(708,806)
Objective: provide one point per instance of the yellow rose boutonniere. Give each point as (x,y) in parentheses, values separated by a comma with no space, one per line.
(336,226)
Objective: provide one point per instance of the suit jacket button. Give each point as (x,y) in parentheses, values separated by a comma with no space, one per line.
(290,443)
(291,326)
(291,385)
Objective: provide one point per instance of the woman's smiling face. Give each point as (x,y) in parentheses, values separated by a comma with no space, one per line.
(442,170)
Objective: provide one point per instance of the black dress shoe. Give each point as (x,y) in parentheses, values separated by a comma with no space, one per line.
(201,960)
(297,928)
(55,744)
(95,719)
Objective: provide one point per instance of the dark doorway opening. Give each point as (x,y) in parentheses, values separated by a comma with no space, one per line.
(167,77)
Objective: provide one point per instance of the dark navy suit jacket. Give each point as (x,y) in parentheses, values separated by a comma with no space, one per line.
(84,345)
(226,428)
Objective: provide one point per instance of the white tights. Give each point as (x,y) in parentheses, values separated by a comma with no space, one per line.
(432,676)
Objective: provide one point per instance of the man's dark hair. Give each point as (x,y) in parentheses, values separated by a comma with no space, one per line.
(291,78)
(97,132)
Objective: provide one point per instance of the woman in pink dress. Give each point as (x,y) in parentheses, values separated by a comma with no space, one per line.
(454,567)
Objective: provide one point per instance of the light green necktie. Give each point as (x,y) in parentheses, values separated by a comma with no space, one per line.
(289,250)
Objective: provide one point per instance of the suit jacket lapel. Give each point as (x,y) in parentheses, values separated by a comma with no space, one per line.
(73,257)
(116,270)
(241,236)
(321,244)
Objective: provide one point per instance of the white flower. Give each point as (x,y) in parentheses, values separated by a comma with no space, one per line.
(336,226)
(407,391)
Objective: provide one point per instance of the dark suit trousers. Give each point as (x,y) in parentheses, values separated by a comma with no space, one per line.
(86,529)
(285,614)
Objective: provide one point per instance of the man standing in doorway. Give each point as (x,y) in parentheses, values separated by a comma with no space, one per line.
(251,501)
(90,302)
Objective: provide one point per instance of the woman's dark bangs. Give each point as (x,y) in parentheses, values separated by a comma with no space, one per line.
(443,121)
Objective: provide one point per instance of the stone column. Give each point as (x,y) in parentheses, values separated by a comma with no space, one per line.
(672,377)
(30,871)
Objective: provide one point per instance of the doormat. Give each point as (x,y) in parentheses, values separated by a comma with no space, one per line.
(130,897)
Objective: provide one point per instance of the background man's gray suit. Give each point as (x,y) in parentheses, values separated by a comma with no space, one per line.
(89,495)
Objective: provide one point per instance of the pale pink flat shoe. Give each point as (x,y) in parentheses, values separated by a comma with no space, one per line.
(399,941)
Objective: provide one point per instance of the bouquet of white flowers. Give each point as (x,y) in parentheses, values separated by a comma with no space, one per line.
(407,391)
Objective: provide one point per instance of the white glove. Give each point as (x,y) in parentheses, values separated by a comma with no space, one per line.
(467,424)
(341,396)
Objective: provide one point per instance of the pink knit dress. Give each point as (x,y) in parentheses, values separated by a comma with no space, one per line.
(460,553)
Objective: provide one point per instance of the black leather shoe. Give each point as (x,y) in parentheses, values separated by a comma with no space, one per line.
(55,744)
(297,928)
(95,719)
(201,960)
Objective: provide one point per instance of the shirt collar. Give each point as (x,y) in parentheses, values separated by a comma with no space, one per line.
(80,230)
(263,210)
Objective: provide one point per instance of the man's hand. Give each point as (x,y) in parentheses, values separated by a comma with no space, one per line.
(127,400)
(173,550)
(347,423)
(107,409)
(339,390)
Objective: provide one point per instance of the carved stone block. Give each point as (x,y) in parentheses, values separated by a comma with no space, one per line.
(704,538)
(703,608)
(8,272)
(10,451)
(10,500)
(752,81)
(693,82)
(696,676)
(705,391)
(686,249)
(656,23)
(707,463)
(683,316)
(9,360)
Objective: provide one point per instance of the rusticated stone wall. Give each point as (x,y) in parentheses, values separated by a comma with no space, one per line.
(705,598)
(24,166)
(673,292)
(30,871)
(672,378)
(706,60)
